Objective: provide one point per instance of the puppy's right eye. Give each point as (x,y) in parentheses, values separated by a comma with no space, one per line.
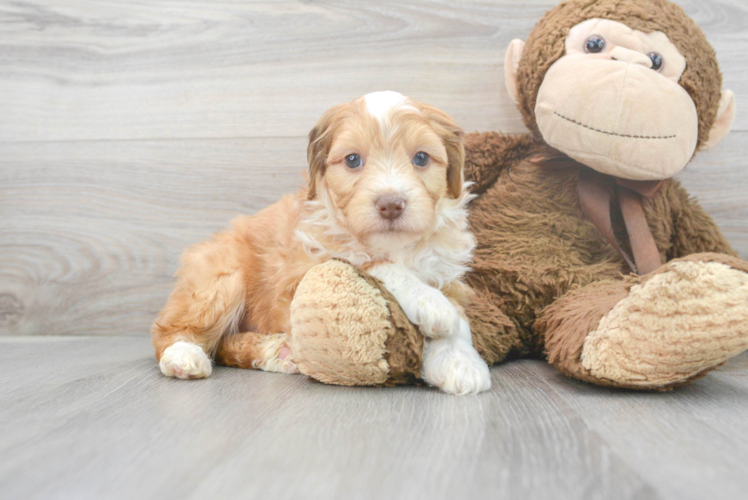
(421,159)
(353,161)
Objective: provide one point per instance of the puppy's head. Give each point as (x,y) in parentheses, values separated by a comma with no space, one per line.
(382,163)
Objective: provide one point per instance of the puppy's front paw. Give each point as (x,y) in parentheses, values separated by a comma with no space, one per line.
(435,315)
(185,360)
(455,367)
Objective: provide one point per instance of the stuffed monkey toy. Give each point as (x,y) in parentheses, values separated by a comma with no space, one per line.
(588,252)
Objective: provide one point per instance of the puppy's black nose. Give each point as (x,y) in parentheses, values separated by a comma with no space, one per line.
(390,206)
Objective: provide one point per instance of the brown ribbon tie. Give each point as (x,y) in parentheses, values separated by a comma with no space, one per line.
(595,194)
(643,246)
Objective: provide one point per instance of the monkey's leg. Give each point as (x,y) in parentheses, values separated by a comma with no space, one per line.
(495,335)
(654,332)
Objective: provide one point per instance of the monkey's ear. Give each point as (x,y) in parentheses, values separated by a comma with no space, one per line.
(723,123)
(511,63)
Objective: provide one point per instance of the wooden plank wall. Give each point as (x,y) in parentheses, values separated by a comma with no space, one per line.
(131,128)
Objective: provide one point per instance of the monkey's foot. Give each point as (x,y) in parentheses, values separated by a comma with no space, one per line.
(679,323)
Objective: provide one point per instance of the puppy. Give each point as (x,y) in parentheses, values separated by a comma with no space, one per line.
(386,194)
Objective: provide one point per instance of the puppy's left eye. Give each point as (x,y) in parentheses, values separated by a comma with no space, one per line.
(421,159)
(353,161)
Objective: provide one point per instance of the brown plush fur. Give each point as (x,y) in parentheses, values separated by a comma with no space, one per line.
(701,79)
(535,247)
(544,276)
(569,320)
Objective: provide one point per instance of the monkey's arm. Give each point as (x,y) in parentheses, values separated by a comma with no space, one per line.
(693,229)
(488,153)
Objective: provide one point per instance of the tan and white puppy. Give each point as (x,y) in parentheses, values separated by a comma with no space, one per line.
(385,193)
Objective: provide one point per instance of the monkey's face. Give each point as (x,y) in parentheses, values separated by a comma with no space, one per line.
(613,102)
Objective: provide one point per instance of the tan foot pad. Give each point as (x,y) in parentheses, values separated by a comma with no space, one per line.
(348,330)
(672,327)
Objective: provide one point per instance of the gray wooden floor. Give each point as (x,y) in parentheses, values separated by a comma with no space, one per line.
(132,128)
(92,418)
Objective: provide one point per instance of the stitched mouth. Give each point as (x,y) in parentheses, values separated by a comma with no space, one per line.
(613,133)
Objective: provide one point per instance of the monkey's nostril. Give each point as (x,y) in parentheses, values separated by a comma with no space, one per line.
(630,56)
(390,206)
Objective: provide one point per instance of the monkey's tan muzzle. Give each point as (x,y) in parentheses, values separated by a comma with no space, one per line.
(621,119)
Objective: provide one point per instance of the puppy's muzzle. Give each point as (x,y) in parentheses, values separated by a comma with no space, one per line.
(390,206)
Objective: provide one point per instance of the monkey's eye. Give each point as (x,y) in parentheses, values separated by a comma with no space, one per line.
(421,159)
(594,44)
(353,161)
(657,61)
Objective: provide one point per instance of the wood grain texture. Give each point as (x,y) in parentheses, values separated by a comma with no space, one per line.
(719,180)
(130,129)
(86,249)
(121,69)
(705,418)
(100,421)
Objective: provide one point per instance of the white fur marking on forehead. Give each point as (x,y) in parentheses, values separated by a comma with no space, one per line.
(378,104)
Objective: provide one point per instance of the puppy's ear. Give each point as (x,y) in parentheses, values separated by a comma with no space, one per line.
(453,138)
(320,141)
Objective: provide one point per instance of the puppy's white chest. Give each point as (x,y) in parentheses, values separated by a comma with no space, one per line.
(437,267)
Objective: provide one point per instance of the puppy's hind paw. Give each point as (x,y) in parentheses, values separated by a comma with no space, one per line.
(186,361)
(276,355)
(455,367)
